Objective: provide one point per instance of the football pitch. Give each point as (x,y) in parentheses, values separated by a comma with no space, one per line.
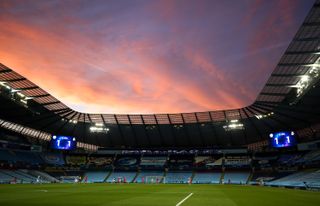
(153,195)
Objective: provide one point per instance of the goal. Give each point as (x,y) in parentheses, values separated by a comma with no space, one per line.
(154,179)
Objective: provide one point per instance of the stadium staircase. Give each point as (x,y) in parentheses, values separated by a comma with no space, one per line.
(192,176)
(232,177)
(164,177)
(105,179)
(24,174)
(7,173)
(128,175)
(4,178)
(43,175)
(19,176)
(3,172)
(222,177)
(134,179)
(250,177)
(96,176)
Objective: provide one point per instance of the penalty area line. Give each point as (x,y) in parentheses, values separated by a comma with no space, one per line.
(182,201)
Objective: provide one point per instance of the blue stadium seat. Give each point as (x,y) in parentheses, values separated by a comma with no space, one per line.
(99,176)
(206,178)
(144,174)
(177,177)
(236,177)
(129,176)
(297,179)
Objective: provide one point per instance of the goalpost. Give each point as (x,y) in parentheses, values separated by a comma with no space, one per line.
(154,179)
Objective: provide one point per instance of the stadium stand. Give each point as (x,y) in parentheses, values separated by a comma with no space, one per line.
(299,179)
(177,177)
(218,162)
(153,162)
(236,177)
(206,178)
(237,161)
(264,176)
(289,159)
(43,176)
(5,178)
(119,176)
(20,156)
(19,176)
(92,177)
(55,159)
(144,175)
(6,155)
(310,157)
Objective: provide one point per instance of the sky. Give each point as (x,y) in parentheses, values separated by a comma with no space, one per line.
(148,56)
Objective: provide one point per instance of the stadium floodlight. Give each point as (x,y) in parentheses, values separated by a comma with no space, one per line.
(99,128)
(309,79)
(24,101)
(14,90)
(315,69)
(4,84)
(305,78)
(233,125)
(72,121)
(302,85)
(21,95)
(261,116)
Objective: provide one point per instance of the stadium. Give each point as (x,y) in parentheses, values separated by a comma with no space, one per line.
(265,153)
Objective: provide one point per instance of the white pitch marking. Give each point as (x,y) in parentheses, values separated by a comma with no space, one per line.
(43,190)
(184,199)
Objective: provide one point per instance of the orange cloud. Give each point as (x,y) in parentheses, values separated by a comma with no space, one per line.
(101,65)
(122,85)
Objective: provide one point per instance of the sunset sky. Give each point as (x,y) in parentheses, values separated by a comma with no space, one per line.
(148,56)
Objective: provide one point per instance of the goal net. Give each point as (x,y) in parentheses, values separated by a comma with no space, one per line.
(154,179)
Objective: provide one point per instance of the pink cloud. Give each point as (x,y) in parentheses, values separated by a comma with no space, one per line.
(117,68)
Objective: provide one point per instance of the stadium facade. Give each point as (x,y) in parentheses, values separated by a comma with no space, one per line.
(288,101)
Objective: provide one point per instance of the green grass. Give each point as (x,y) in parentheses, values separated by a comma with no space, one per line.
(153,195)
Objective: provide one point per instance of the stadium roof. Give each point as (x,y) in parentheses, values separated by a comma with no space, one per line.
(289,101)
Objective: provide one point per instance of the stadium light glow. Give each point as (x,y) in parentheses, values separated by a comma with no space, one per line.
(261,116)
(233,125)
(4,84)
(21,95)
(302,85)
(14,90)
(72,121)
(308,79)
(24,101)
(99,128)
